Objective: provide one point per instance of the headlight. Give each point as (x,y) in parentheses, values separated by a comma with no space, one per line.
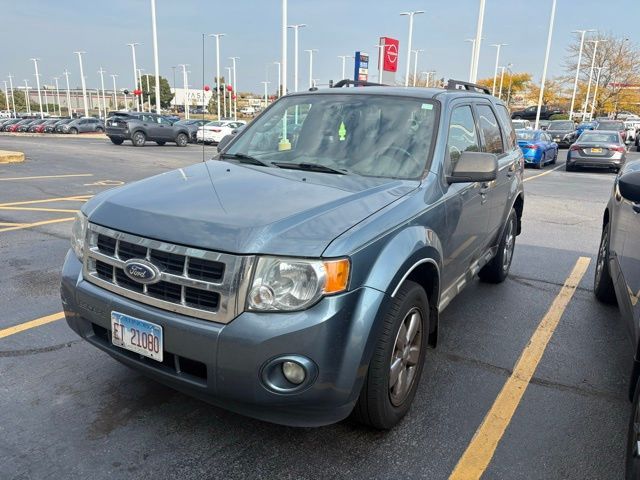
(78,232)
(288,284)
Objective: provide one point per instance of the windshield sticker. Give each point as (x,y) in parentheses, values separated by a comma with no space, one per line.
(427,106)
(342,132)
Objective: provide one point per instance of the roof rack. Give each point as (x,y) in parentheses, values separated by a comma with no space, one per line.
(461,85)
(357,83)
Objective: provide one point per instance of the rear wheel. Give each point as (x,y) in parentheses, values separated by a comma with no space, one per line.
(139,139)
(395,369)
(602,282)
(73,131)
(182,140)
(117,141)
(99,130)
(497,270)
(555,158)
(569,168)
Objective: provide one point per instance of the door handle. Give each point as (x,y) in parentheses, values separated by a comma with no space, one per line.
(484,188)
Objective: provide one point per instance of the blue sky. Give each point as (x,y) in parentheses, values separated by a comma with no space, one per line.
(53,30)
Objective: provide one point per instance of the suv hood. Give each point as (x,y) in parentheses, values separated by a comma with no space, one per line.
(244,209)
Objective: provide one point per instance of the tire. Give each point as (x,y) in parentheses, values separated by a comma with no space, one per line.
(116,141)
(73,131)
(380,405)
(539,165)
(497,270)
(99,130)
(161,143)
(602,281)
(139,139)
(182,140)
(555,158)
(632,461)
(569,168)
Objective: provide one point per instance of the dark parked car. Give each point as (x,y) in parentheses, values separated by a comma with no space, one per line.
(563,132)
(62,123)
(617,280)
(6,123)
(24,127)
(616,125)
(33,125)
(597,149)
(16,125)
(83,125)
(192,125)
(530,113)
(146,126)
(299,278)
(51,126)
(544,124)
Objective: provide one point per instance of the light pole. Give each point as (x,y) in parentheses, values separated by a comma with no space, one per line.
(156,65)
(593,61)
(148,93)
(104,100)
(84,84)
(502,79)
(235,86)
(575,82)
(58,95)
(473,55)
(26,88)
(415,65)
(6,96)
(217,35)
(174,85)
(595,93)
(135,73)
(46,100)
(66,76)
(99,106)
(279,65)
(186,92)
(344,60)
(311,50)
(477,43)
(546,62)
(139,82)
(410,15)
(495,72)
(295,53)
(285,22)
(229,79)
(13,98)
(510,82)
(35,63)
(266,93)
(115,97)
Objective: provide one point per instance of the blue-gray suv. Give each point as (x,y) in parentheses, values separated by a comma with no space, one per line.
(299,277)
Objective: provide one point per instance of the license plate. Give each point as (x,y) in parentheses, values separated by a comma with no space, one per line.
(114,124)
(139,336)
(557,139)
(596,150)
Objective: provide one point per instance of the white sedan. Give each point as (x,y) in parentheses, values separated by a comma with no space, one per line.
(213,132)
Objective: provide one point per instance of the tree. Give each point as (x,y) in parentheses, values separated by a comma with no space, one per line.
(554,94)
(513,85)
(165,91)
(3,101)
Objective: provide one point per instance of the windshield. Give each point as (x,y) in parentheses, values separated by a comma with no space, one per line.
(555,125)
(610,126)
(592,136)
(373,135)
(214,124)
(526,135)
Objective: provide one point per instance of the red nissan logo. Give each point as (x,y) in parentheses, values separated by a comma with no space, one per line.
(392,53)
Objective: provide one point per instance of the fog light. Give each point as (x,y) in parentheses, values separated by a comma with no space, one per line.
(293,372)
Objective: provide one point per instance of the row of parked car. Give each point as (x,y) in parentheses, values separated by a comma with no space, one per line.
(52,125)
(142,127)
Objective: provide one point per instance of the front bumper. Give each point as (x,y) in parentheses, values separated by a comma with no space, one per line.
(225,361)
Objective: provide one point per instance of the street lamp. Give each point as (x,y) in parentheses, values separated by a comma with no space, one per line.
(473,55)
(502,79)
(35,63)
(104,100)
(380,49)
(510,82)
(546,62)
(66,76)
(279,64)
(13,98)
(6,96)
(218,36)
(135,73)
(235,86)
(495,72)
(415,65)
(84,84)
(410,15)
(155,57)
(575,82)
(311,65)
(115,97)
(26,87)
(266,93)
(58,95)
(595,92)
(186,91)
(593,61)
(295,53)
(225,93)
(477,43)
(140,70)
(285,21)
(344,60)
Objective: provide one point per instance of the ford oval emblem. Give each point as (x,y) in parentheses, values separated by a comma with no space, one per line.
(141,271)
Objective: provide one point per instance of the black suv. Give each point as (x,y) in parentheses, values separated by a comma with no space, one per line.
(530,113)
(140,127)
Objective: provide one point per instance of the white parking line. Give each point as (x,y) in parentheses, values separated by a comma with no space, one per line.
(543,173)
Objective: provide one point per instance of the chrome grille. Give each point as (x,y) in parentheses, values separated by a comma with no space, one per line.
(199,283)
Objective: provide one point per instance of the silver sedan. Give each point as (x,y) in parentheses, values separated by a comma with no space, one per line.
(597,149)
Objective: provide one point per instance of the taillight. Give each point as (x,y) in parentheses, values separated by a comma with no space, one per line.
(617,149)
(531,146)
(574,148)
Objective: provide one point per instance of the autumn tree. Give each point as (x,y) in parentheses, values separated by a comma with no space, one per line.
(513,85)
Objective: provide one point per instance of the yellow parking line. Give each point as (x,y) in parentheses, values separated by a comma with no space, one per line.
(77,198)
(36,224)
(479,453)
(543,173)
(47,176)
(36,209)
(31,324)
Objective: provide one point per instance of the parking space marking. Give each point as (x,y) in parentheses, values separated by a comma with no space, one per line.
(47,177)
(76,198)
(31,324)
(480,451)
(543,173)
(36,209)
(36,224)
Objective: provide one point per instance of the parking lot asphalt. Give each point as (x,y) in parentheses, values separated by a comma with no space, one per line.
(67,410)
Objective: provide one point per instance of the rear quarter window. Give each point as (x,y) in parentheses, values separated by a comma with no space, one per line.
(507,126)
(490,128)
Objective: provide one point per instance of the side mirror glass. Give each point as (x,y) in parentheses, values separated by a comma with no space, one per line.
(629,186)
(474,167)
(224,142)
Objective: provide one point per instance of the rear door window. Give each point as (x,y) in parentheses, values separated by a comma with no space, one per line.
(507,126)
(490,128)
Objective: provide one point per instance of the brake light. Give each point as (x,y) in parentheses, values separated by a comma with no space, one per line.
(617,149)
(216,130)
(531,146)
(574,148)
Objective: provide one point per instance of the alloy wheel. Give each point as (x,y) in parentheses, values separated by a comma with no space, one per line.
(404,359)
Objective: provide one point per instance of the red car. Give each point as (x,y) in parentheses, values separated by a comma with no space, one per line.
(613,125)
(15,126)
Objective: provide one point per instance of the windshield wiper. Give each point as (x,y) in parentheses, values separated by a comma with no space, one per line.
(243,158)
(312,167)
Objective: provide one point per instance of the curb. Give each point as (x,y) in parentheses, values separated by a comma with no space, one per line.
(52,135)
(11,157)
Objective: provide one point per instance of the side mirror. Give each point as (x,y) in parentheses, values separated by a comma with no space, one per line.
(474,167)
(224,142)
(629,186)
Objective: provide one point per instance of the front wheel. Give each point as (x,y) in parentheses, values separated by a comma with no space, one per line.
(182,140)
(116,141)
(497,270)
(396,366)
(138,139)
(602,282)
(99,130)
(73,131)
